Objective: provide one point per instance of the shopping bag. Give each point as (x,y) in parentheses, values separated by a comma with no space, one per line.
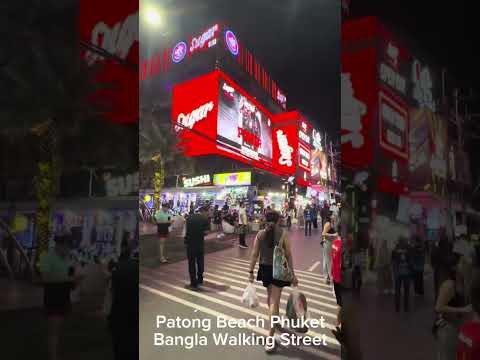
(281,268)
(250,297)
(297,307)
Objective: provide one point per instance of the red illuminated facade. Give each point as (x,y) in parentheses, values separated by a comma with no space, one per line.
(214,115)
(394,129)
(223,102)
(109,35)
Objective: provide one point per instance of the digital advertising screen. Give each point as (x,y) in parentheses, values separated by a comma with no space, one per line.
(242,126)
(319,158)
(233,179)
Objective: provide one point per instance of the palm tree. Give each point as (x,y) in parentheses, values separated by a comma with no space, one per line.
(158,154)
(48,90)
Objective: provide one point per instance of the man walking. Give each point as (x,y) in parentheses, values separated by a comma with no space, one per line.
(197,226)
(243,226)
(307,214)
(402,272)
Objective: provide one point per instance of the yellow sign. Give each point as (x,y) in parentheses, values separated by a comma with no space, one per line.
(233,179)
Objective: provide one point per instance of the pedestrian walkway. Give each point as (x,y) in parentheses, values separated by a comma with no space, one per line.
(163,292)
(382,327)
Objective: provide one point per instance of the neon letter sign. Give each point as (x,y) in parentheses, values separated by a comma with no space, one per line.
(199,42)
(195,116)
(117,40)
(285,149)
(195,181)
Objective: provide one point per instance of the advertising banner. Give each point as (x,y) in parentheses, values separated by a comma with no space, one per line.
(110,31)
(393,125)
(428,149)
(213,115)
(359,96)
(393,64)
(233,179)
(285,140)
(242,125)
(319,160)
(194,114)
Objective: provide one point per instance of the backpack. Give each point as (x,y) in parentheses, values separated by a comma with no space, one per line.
(308,215)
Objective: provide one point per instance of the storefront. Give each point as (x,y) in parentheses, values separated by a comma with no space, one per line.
(213,189)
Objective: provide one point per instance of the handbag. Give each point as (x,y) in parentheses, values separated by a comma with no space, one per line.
(281,268)
(438,323)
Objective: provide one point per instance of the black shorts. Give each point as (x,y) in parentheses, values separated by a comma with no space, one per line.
(56,299)
(265,275)
(162,229)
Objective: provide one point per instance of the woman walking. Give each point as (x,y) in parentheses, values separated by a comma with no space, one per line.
(451,309)
(163,220)
(265,243)
(328,235)
(59,279)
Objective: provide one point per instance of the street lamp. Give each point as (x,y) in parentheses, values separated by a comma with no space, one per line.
(152,15)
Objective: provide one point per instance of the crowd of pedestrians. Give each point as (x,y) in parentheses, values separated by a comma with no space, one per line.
(454,264)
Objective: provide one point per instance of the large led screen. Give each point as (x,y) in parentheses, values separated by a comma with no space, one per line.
(242,126)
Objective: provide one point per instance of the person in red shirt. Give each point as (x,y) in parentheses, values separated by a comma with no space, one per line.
(336,255)
(468,347)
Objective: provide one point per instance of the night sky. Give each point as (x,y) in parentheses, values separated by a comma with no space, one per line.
(297,41)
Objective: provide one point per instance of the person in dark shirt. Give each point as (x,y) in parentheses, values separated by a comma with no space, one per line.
(217,218)
(197,226)
(419,252)
(402,271)
(308,216)
(123,317)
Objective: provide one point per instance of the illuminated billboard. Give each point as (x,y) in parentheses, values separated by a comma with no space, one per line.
(233,179)
(285,140)
(393,122)
(110,34)
(212,115)
(319,159)
(242,126)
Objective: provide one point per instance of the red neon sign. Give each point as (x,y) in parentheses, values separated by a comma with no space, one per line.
(114,30)
(205,40)
(285,141)
(358,106)
(393,125)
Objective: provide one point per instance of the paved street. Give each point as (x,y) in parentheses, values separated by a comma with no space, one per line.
(162,292)
(386,334)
